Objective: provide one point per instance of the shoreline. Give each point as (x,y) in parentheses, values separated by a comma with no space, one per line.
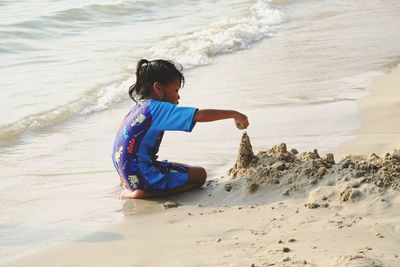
(216,228)
(379,133)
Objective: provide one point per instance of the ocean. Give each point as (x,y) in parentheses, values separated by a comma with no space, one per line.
(296,68)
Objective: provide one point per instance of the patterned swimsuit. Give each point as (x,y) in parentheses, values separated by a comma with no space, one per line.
(138,140)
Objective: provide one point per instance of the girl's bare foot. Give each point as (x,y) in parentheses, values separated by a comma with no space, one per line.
(127,194)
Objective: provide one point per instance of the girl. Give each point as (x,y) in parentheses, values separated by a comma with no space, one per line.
(156,93)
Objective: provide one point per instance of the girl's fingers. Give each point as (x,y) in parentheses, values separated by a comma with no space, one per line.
(239,125)
(242,125)
(241,121)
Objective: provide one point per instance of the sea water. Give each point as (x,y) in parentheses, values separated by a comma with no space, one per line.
(296,68)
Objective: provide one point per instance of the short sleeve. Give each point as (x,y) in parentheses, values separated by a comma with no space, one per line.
(169,117)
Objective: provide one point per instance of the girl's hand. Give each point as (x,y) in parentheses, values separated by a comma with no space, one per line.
(241,121)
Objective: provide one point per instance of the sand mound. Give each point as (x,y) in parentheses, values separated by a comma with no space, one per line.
(291,171)
(356,261)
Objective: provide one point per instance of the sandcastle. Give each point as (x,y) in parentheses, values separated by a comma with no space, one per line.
(292,171)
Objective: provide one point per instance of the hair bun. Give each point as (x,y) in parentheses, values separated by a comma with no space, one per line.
(143,61)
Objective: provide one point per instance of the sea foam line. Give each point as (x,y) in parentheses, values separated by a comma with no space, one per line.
(199,47)
(95,101)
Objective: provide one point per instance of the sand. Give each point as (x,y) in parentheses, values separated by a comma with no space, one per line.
(380,131)
(275,207)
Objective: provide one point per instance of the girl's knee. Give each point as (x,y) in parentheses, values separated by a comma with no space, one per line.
(203,176)
(197,175)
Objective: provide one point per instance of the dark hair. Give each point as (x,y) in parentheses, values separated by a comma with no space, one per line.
(149,72)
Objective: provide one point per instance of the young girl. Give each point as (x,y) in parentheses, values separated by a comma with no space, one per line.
(156,93)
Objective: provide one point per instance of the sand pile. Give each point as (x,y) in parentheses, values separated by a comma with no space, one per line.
(291,171)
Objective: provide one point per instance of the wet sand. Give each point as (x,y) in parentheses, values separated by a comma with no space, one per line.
(380,131)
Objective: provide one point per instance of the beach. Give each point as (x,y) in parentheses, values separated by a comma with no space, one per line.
(214,227)
(318,81)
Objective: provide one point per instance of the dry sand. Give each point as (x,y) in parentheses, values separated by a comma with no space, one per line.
(277,207)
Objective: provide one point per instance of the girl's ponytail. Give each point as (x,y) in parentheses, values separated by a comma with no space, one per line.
(149,72)
(134,90)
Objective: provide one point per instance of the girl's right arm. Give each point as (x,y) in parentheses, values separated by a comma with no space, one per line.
(206,115)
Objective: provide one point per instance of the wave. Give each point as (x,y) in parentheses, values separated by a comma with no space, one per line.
(198,48)
(73,20)
(190,49)
(87,12)
(96,100)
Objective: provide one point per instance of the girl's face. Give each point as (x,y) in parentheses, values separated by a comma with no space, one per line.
(169,93)
(172,92)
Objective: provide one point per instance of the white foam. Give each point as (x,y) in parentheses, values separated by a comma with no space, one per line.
(198,48)
(95,101)
(108,96)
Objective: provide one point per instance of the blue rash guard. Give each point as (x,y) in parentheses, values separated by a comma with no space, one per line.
(138,140)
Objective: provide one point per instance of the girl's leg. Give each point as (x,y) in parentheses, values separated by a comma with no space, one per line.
(197,177)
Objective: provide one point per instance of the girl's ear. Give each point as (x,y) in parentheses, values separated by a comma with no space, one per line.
(158,90)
